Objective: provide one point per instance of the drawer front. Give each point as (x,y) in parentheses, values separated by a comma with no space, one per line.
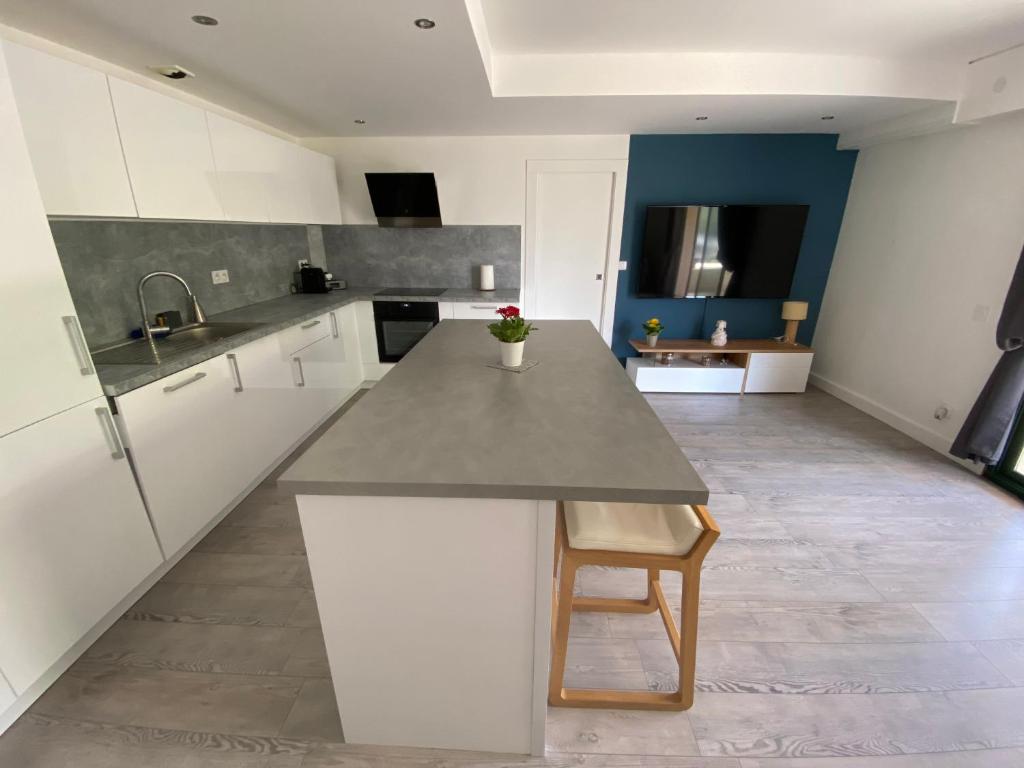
(799,361)
(686,379)
(776,379)
(305,333)
(479,311)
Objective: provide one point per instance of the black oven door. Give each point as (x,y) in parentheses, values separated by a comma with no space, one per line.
(400,325)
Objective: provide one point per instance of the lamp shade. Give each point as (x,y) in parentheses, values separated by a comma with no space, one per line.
(794,310)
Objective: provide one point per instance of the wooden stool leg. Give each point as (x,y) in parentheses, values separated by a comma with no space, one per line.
(688,635)
(561,640)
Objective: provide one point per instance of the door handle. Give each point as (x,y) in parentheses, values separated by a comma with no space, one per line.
(110,432)
(302,376)
(310,325)
(598,276)
(78,345)
(233,360)
(190,380)
(334,325)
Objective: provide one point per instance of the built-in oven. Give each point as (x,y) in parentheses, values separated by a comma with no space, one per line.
(400,324)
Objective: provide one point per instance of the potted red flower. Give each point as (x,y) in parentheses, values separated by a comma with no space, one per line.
(511,331)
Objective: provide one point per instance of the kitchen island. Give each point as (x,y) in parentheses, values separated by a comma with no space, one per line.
(428,514)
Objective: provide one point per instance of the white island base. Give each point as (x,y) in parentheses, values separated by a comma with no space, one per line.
(436,614)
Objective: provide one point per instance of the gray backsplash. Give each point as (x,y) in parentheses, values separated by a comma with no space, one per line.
(104,259)
(445,257)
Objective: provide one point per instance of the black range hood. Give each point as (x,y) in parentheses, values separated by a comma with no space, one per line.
(404,199)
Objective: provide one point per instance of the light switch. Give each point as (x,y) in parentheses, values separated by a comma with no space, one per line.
(623,266)
(981,313)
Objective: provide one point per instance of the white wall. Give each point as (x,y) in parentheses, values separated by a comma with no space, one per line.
(932,232)
(480,179)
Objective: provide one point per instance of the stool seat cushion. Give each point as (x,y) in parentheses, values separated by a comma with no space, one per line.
(653,529)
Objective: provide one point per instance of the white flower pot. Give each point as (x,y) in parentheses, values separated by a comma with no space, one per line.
(512,353)
(652,339)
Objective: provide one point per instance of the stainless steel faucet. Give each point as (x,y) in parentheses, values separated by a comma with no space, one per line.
(197,311)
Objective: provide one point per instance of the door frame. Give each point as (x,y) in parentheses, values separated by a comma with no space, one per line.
(617,167)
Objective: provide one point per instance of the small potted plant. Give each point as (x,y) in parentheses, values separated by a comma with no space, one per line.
(511,331)
(653,329)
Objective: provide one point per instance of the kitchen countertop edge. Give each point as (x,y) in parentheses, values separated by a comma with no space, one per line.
(284,312)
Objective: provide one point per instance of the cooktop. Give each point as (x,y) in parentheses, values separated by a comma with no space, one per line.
(410,292)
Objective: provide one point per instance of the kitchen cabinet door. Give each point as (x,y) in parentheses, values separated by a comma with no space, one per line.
(268,399)
(188,435)
(290,200)
(46,365)
(167,150)
(74,536)
(243,158)
(322,181)
(71,133)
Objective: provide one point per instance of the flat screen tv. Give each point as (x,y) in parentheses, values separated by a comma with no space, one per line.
(732,251)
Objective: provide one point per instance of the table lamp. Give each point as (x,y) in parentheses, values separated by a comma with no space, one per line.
(793,312)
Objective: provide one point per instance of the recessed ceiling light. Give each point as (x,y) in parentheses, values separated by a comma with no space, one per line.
(206,21)
(701,117)
(828,117)
(359,122)
(425,23)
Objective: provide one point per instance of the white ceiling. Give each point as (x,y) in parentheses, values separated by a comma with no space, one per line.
(312,67)
(957,30)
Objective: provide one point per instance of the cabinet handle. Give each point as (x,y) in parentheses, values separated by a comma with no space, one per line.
(310,325)
(334,325)
(302,376)
(110,432)
(185,382)
(233,359)
(488,306)
(78,344)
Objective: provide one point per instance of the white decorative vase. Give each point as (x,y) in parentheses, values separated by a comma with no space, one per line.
(512,353)
(652,339)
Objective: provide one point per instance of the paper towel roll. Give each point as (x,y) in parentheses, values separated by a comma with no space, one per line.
(486,277)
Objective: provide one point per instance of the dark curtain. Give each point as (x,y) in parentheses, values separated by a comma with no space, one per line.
(984,434)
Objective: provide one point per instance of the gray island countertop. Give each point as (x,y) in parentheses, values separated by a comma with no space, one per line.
(443,423)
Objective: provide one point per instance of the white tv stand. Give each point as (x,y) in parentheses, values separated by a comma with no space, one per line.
(740,367)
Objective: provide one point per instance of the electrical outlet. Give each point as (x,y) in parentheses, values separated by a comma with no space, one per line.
(303,263)
(220,276)
(623,266)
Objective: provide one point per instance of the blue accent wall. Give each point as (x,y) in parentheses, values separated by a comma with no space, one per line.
(723,169)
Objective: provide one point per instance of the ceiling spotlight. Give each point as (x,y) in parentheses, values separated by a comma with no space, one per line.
(701,117)
(828,117)
(425,23)
(359,122)
(206,21)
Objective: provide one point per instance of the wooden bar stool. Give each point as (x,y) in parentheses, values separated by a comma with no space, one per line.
(653,537)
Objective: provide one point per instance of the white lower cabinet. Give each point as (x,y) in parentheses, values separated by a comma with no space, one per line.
(778,371)
(187,435)
(74,537)
(478,311)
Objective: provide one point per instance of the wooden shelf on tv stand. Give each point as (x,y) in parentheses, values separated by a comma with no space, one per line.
(751,365)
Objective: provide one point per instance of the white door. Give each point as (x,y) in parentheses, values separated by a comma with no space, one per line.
(45,362)
(573,228)
(167,150)
(71,133)
(74,536)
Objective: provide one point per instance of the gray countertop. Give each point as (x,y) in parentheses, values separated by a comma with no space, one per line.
(443,423)
(274,315)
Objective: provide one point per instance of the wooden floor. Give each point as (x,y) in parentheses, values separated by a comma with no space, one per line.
(864,608)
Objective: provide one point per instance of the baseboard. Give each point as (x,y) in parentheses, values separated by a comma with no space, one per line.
(21,704)
(927,437)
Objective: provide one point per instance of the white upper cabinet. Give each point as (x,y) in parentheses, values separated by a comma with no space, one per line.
(243,157)
(71,134)
(167,149)
(46,365)
(323,187)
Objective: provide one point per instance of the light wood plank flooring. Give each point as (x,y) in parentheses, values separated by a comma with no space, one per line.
(864,608)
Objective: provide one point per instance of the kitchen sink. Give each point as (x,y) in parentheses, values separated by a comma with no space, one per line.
(184,339)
